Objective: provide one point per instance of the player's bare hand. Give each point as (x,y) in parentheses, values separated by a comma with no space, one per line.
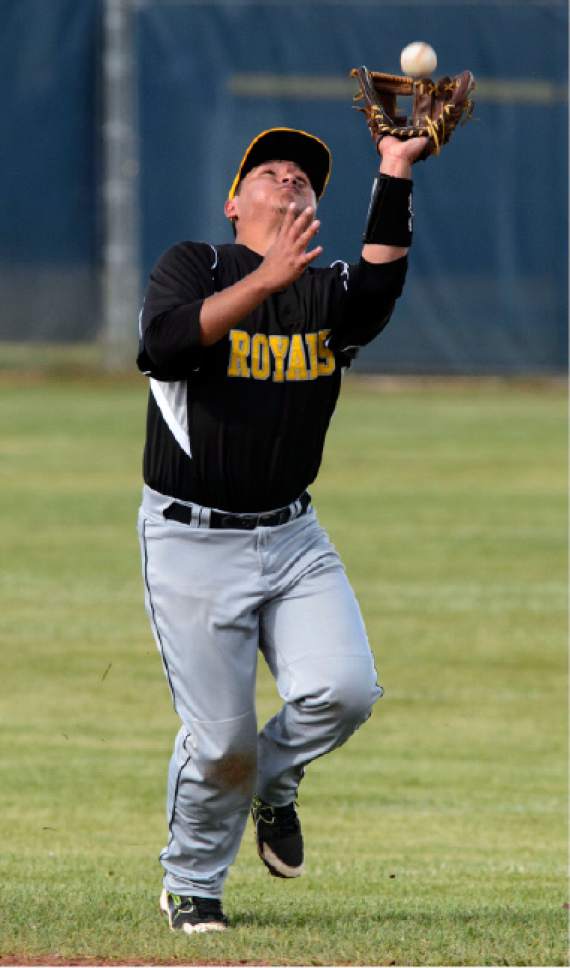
(288,257)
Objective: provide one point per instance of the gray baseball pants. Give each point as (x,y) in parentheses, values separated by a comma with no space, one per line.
(214,599)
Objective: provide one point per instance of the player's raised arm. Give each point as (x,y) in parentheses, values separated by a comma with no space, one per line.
(374,285)
(388,230)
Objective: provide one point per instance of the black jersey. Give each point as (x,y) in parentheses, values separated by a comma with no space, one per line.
(241,425)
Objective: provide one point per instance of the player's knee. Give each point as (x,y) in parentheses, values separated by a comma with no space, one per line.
(234,770)
(354,694)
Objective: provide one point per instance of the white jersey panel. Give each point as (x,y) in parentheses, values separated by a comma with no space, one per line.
(172,401)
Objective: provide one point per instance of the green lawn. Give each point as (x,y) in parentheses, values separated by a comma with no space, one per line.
(437,835)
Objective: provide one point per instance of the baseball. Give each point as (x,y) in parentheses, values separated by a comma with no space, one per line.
(418,59)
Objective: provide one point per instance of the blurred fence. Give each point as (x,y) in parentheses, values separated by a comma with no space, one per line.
(487,287)
(49,170)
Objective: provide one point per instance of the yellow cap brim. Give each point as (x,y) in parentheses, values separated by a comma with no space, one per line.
(288,144)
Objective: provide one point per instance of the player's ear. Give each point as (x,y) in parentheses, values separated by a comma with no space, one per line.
(231,207)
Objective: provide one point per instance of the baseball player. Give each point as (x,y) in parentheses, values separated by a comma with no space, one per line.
(244,345)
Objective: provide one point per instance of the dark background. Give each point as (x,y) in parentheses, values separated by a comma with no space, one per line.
(487,287)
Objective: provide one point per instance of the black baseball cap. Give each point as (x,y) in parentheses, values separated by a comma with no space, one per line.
(288,144)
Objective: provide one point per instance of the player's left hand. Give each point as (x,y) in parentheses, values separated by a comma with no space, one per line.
(393,149)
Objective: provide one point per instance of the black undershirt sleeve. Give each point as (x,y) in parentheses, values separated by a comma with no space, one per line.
(372,291)
(169,346)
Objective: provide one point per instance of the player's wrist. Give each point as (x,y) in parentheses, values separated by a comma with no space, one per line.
(262,282)
(389,218)
(395,167)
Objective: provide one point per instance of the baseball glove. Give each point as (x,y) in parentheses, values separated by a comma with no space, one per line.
(437,106)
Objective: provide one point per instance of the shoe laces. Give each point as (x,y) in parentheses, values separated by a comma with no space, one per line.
(283,818)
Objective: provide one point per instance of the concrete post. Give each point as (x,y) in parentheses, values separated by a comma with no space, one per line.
(121,283)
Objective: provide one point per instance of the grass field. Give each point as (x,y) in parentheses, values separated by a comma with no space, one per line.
(437,835)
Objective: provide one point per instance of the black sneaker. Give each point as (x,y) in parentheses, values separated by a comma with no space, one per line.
(279,838)
(193,914)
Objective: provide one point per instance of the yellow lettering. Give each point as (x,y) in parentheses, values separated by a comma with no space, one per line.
(260,363)
(327,361)
(297,369)
(239,350)
(311,339)
(279,346)
(296,358)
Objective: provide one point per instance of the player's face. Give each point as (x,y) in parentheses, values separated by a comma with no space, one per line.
(271,187)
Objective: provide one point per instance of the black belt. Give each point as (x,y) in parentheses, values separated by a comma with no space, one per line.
(243,522)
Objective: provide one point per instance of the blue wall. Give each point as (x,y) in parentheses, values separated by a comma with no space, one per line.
(49,169)
(487,285)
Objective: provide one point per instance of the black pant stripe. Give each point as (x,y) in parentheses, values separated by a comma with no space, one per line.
(154,621)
